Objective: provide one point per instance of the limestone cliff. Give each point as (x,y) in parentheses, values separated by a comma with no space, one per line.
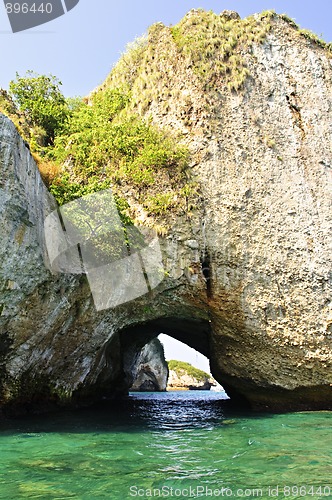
(148,369)
(248,274)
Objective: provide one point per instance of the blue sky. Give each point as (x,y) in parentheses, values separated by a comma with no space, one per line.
(177,350)
(81,47)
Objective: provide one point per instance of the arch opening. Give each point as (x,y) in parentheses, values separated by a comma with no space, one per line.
(113,373)
(188,369)
(193,332)
(143,356)
(176,350)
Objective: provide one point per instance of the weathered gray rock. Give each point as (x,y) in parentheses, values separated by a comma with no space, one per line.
(230,14)
(248,276)
(148,369)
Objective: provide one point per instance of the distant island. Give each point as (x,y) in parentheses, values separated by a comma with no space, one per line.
(184,376)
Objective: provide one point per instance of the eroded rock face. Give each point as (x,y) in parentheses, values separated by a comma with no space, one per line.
(148,369)
(268,195)
(263,159)
(248,276)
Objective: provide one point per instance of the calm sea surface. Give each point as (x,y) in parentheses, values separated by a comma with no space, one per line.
(167,445)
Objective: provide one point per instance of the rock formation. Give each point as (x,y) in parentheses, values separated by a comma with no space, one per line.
(248,276)
(148,368)
(183,376)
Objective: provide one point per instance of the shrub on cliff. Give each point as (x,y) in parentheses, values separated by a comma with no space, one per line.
(103,145)
(41,101)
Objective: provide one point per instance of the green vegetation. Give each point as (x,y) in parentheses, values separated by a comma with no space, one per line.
(182,368)
(39,99)
(7,105)
(209,45)
(289,20)
(309,35)
(83,146)
(105,146)
(48,169)
(9,109)
(111,139)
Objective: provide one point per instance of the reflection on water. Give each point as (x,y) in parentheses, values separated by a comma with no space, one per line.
(138,412)
(179,409)
(178,440)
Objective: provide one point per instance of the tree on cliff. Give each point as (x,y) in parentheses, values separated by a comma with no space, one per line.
(40,99)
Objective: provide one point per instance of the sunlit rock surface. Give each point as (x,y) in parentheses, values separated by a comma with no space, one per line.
(149,369)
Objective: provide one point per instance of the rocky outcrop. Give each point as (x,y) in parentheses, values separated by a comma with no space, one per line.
(182,379)
(149,369)
(247,277)
(186,383)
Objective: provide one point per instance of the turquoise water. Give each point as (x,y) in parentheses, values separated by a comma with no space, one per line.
(181,444)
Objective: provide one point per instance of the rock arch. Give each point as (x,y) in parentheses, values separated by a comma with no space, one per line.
(253,264)
(195,334)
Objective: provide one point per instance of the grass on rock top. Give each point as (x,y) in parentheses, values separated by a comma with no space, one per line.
(211,45)
(110,141)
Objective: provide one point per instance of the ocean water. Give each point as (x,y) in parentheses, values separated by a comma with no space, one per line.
(167,445)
